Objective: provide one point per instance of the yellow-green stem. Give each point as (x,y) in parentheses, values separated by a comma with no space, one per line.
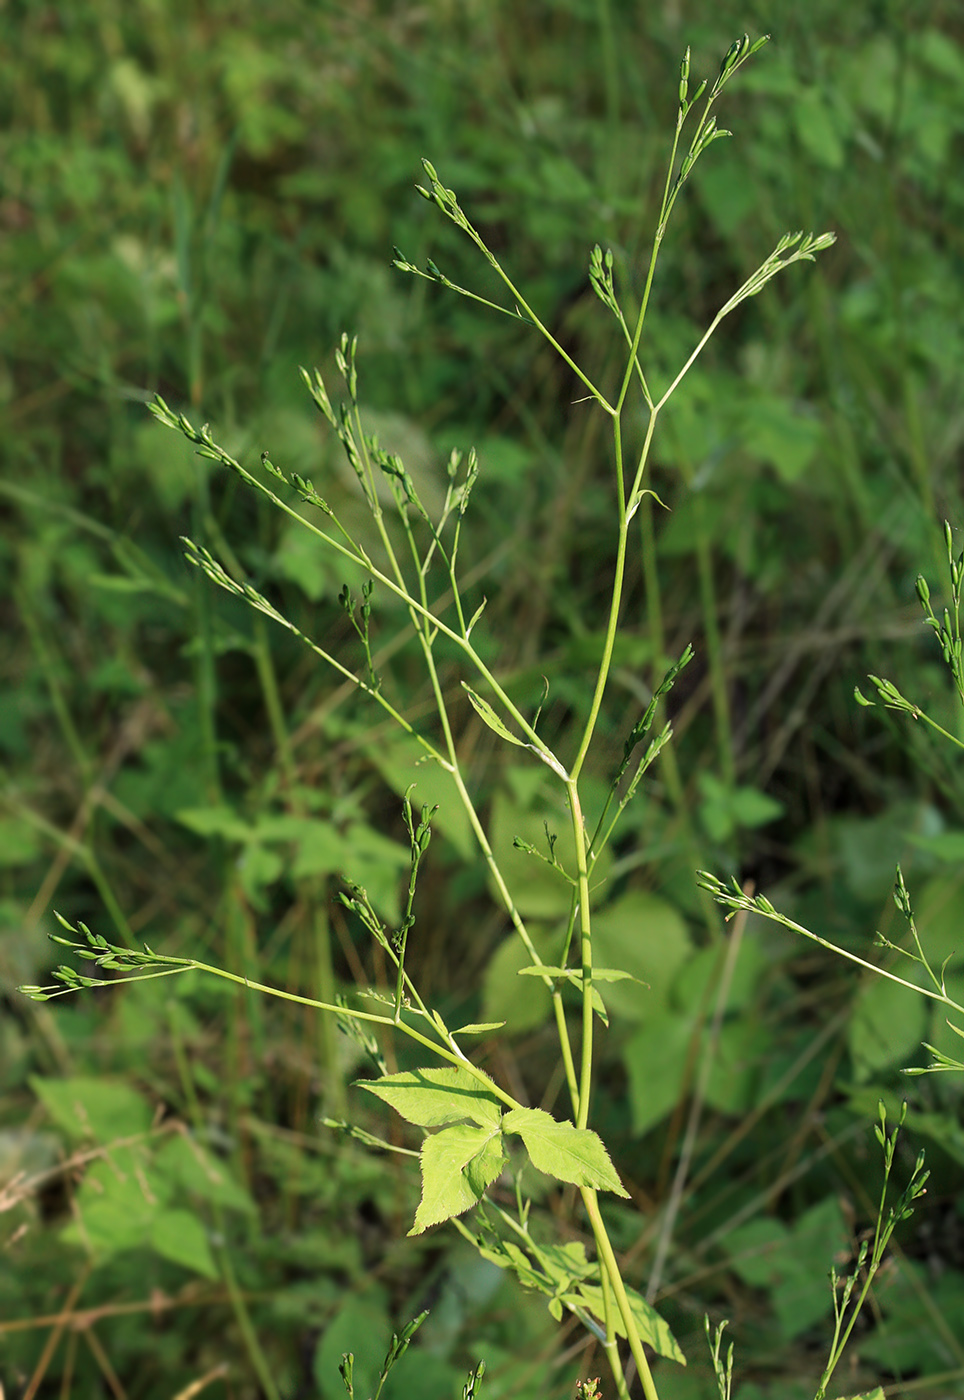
(585,932)
(609,1263)
(458,1060)
(611,1345)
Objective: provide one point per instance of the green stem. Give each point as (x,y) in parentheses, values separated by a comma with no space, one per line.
(585,931)
(562,1030)
(191,964)
(776,917)
(609,1263)
(611,1345)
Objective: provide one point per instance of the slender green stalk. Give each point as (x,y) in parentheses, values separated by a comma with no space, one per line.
(352,1013)
(611,1345)
(585,944)
(615,607)
(869,1258)
(272,701)
(611,1265)
(732,896)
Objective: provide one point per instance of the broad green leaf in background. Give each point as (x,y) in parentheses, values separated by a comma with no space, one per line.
(821,124)
(887,1026)
(700,976)
(361,853)
(728,191)
(311,568)
(360,1326)
(867,850)
(938,907)
(791,1266)
(402,762)
(521,1003)
(19,844)
(99,1108)
(117,1204)
(655,1058)
(645,936)
(725,809)
(919,1330)
(216,821)
(738,1060)
(181,1237)
(129,1199)
(320,849)
(258,868)
(782,435)
(191,1169)
(376,862)
(946,1129)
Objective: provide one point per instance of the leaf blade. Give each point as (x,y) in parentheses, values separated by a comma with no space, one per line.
(489,717)
(576,1155)
(435,1098)
(457,1165)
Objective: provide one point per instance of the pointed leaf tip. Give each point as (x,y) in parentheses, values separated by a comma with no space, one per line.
(568,1153)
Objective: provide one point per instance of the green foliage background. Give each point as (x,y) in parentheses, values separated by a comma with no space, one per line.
(195,199)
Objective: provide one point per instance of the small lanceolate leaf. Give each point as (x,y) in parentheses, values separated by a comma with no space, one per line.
(574,974)
(475,617)
(563,1151)
(574,977)
(433,1098)
(458,1164)
(488,716)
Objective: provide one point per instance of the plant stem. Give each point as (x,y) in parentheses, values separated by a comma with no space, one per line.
(609,1263)
(189,964)
(611,1345)
(585,928)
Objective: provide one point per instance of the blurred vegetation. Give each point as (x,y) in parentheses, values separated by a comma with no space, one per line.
(195,199)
